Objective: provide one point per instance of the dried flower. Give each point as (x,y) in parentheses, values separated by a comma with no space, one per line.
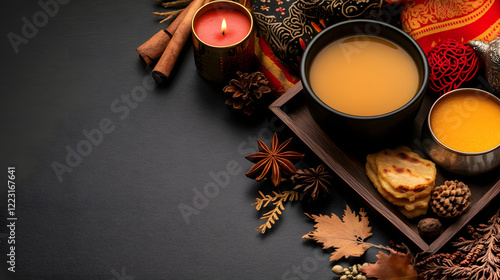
(312,181)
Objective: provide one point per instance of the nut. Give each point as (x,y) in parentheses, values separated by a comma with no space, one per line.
(338,269)
(429,227)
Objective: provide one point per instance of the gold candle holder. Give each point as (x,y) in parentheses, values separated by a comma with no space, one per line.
(220,63)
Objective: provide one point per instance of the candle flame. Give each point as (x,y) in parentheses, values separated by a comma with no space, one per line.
(223,26)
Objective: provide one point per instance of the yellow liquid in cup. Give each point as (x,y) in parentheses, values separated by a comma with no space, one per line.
(364,76)
(466,122)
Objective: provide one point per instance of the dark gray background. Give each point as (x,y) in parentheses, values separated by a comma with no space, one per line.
(116,215)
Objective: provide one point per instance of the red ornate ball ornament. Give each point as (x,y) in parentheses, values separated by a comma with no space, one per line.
(451,63)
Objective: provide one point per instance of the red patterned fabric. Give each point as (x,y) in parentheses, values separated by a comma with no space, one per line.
(431,21)
(286,27)
(280,79)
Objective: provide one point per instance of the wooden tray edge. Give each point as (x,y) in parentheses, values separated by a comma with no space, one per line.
(275,107)
(437,244)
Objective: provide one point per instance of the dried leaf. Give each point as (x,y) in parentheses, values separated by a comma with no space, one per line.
(277,199)
(312,181)
(346,236)
(394,266)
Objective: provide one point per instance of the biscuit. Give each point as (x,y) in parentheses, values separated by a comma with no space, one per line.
(421,202)
(403,178)
(404,174)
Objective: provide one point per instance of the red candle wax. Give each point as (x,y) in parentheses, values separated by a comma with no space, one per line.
(208,27)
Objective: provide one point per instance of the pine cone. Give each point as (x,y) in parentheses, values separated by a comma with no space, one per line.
(450,199)
(247,91)
(312,181)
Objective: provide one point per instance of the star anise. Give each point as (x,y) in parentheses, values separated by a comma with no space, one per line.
(273,161)
(312,181)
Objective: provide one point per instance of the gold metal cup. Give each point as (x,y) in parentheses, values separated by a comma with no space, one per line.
(220,63)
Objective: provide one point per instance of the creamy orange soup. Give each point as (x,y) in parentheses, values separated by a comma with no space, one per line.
(466,122)
(364,76)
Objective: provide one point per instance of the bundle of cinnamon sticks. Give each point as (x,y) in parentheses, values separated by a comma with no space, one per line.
(166,45)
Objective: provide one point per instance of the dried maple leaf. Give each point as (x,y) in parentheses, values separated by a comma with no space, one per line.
(394,266)
(346,236)
(273,160)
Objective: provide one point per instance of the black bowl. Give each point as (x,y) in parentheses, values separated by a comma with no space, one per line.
(374,127)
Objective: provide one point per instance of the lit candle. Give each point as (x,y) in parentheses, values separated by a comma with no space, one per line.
(222,27)
(223,39)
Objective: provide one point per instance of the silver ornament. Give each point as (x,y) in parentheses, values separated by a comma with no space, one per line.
(490,53)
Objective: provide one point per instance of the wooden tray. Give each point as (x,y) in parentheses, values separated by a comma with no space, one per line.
(350,166)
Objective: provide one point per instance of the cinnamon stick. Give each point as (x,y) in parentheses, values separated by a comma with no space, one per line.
(153,48)
(164,67)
